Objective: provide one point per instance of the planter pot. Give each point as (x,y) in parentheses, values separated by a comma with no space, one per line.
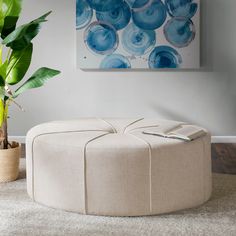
(9,163)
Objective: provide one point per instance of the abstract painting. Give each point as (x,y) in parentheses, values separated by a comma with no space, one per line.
(143,34)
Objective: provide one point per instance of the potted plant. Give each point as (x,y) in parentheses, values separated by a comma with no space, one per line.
(15,57)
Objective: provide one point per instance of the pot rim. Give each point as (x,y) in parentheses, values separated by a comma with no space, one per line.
(18,146)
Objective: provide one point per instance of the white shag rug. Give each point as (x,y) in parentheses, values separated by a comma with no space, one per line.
(20,216)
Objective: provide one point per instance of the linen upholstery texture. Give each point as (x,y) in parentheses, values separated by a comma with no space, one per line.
(109,167)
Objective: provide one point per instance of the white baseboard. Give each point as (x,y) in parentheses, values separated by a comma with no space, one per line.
(223,139)
(20,139)
(214,139)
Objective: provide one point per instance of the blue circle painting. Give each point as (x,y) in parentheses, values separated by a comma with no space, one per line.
(84,14)
(164,57)
(137,41)
(104,5)
(150,15)
(118,17)
(101,38)
(182,8)
(115,61)
(179,31)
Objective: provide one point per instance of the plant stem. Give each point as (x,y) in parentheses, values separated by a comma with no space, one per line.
(8,54)
(4,130)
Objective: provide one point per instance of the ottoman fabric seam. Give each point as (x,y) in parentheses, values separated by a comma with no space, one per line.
(136,121)
(203,168)
(85,168)
(150,169)
(142,127)
(113,128)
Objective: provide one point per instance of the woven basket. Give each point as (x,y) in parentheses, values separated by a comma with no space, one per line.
(9,163)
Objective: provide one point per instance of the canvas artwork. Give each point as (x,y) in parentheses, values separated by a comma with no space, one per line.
(143,34)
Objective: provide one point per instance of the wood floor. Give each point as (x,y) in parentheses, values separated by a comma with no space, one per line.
(223,158)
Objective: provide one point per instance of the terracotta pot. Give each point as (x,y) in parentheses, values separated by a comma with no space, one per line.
(9,163)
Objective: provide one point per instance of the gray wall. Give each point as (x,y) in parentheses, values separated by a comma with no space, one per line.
(206,96)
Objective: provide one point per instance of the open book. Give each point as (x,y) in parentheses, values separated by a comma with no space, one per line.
(183,132)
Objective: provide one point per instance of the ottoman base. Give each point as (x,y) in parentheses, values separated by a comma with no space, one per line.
(110,167)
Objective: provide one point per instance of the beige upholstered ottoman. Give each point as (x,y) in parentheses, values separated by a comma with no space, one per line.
(110,167)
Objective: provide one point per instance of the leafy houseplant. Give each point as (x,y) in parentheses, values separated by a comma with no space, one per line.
(15,57)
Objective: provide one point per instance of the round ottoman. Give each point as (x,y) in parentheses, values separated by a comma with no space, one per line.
(110,167)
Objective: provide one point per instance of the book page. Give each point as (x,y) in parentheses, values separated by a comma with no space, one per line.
(167,129)
(188,131)
(183,132)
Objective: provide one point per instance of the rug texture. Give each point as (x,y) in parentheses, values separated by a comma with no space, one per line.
(19,215)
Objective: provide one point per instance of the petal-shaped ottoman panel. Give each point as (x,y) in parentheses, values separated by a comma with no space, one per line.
(109,167)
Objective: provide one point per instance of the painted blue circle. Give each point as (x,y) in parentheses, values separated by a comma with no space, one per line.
(138,5)
(141,4)
(84,14)
(179,31)
(118,17)
(101,38)
(115,61)
(164,57)
(151,16)
(104,5)
(130,2)
(181,8)
(137,41)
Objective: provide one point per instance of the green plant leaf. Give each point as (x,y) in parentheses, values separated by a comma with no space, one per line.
(9,12)
(2,92)
(3,71)
(37,80)
(23,35)
(18,65)
(1,14)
